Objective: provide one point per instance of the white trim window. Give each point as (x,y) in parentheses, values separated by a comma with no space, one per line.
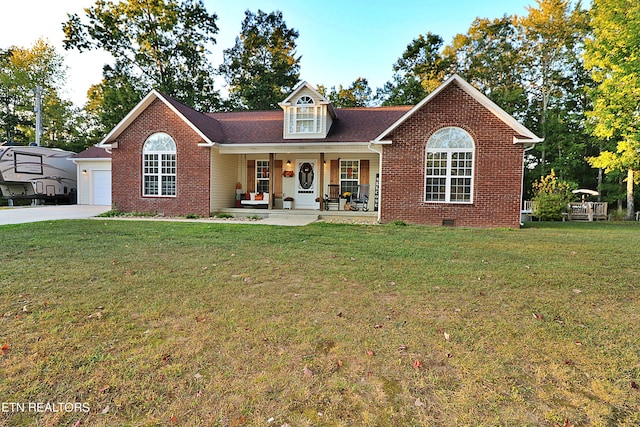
(159,166)
(262,176)
(449,166)
(303,118)
(349,176)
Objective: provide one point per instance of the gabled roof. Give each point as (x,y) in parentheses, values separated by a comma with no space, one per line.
(93,153)
(525,135)
(305,85)
(265,127)
(209,130)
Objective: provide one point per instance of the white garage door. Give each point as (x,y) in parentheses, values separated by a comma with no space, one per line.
(101,188)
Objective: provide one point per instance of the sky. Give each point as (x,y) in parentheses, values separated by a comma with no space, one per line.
(339,40)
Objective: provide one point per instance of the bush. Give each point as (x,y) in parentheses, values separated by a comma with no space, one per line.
(551,196)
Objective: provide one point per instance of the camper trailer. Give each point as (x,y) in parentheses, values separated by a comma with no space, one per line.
(37,173)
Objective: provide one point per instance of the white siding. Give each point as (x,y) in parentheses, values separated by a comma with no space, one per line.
(224,171)
(87,175)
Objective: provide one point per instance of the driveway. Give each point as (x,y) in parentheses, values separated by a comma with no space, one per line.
(19,215)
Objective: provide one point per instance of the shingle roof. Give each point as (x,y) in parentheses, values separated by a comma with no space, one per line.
(93,152)
(352,125)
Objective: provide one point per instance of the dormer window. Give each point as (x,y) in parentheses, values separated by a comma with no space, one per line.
(305,115)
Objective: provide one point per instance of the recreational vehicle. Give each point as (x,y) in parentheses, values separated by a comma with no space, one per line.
(37,173)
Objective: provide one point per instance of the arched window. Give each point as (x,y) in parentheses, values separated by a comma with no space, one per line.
(449,166)
(159,166)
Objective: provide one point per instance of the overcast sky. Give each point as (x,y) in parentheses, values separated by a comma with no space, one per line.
(340,40)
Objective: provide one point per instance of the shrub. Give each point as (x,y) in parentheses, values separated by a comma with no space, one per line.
(551,196)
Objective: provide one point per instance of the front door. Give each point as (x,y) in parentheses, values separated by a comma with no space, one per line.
(306,178)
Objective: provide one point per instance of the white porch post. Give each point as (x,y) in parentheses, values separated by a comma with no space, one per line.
(379,152)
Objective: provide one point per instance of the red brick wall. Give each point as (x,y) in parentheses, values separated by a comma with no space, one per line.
(193,166)
(497,168)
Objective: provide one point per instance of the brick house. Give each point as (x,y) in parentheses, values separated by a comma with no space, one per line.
(456,158)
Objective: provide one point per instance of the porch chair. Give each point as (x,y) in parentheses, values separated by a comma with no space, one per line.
(333,197)
(362,199)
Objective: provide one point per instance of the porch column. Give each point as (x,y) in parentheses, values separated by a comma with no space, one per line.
(321,180)
(272,181)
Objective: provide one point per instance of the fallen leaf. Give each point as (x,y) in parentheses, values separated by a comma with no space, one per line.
(200,319)
(577,291)
(447,336)
(5,347)
(538,316)
(418,402)
(127,273)
(403,347)
(238,421)
(104,389)
(339,363)
(370,353)
(417,364)
(378,326)
(106,409)
(173,419)
(635,386)
(307,372)
(578,342)
(197,376)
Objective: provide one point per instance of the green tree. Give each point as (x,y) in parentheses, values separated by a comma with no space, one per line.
(161,44)
(359,94)
(488,56)
(21,71)
(111,99)
(552,49)
(613,57)
(262,67)
(419,71)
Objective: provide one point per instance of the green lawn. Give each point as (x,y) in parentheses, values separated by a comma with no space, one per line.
(197,324)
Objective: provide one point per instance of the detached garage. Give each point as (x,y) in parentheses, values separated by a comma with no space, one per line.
(94,176)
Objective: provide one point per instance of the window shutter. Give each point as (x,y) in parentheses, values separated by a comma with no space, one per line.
(277,178)
(251,176)
(364,171)
(334,172)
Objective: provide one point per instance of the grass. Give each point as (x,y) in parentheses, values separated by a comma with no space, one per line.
(160,323)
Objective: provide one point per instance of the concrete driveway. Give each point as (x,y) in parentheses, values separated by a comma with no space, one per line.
(21,214)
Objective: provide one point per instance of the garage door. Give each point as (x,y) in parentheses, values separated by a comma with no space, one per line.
(101,188)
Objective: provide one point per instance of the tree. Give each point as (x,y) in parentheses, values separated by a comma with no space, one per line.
(159,44)
(21,71)
(356,95)
(419,71)
(489,58)
(262,67)
(552,57)
(111,99)
(613,56)
(551,196)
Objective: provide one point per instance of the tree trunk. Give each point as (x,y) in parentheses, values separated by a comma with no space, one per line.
(630,205)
